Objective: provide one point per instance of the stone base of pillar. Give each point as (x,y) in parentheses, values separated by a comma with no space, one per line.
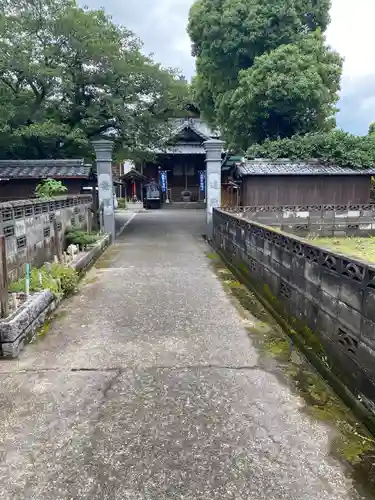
(213,148)
(103,150)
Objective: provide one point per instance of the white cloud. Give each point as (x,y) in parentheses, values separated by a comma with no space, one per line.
(161,24)
(351,33)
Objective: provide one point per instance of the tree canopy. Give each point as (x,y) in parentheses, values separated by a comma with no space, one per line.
(263,68)
(335,147)
(69,74)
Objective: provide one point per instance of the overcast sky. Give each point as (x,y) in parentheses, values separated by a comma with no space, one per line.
(161,24)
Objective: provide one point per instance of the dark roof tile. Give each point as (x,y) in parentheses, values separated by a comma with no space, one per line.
(288,167)
(39,169)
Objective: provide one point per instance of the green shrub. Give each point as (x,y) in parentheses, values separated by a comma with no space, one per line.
(49,188)
(61,280)
(121,202)
(80,238)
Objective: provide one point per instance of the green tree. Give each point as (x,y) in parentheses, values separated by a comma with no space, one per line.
(229,36)
(70,74)
(336,147)
(371,129)
(292,89)
(49,188)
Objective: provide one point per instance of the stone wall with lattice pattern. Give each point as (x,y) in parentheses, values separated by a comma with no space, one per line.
(322,220)
(34,229)
(325,296)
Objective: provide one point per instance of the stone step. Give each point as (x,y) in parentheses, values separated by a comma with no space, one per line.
(178,205)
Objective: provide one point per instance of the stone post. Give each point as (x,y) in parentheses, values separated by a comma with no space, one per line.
(103,150)
(213,148)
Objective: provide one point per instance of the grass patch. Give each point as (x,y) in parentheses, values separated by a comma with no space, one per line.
(108,257)
(212,255)
(44,329)
(359,247)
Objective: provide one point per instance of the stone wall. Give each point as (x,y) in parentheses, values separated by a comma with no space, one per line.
(327,298)
(34,230)
(325,220)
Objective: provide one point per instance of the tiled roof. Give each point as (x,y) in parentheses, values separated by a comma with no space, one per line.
(197,125)
(178,125)
(288,167)
(39,169)
(183,149)
(133,174)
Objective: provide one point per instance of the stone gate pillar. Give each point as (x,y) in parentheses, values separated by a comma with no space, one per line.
(103,151)
(213,148)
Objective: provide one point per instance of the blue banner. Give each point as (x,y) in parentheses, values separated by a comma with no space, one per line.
(163,181)
(202,180)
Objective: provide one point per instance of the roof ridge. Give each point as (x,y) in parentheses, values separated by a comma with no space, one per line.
(285,160)
(52,161)
(299,167)
(42,170)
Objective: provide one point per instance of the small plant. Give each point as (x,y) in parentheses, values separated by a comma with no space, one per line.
(80,238)
(121,202)
(60,279)
(67,277)
(49,188)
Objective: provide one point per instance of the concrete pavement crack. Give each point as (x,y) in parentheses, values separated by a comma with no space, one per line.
(123,369)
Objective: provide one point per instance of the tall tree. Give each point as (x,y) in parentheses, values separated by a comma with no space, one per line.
(229,36)
(292,89)
(69,74)
(336,147)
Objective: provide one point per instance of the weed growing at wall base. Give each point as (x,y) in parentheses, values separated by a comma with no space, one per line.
(61,280)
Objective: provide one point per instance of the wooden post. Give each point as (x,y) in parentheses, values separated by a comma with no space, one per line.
(89,220)
(57,249)
(3,278)
(95,226)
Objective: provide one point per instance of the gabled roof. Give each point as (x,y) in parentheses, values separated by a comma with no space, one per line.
(190,124)
(133,175)
(175,145)
(196,125)
(288,167)
(41,169)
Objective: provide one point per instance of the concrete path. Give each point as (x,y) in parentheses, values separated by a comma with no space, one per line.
(122,219)
(147,387)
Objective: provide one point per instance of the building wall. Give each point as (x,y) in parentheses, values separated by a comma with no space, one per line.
(183,173)
(305,190)
(328,298)
(229,196)
(127,189)
(34,230)
(22,189)
(116,171)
